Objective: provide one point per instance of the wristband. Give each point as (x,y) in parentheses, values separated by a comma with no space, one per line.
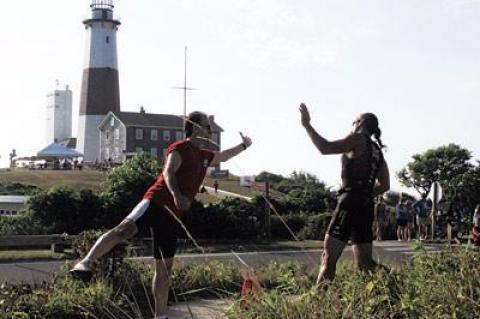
(244,146)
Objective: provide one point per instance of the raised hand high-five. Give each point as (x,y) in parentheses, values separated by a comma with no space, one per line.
(305,115)
(247,141)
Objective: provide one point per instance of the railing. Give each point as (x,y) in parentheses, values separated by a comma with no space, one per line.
(102,4)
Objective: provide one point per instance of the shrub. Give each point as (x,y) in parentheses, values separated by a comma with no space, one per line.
(23,224)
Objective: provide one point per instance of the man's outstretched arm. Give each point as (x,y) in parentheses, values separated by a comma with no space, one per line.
(325,147)
(225,155)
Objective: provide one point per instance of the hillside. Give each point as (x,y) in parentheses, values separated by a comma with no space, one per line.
(93,179)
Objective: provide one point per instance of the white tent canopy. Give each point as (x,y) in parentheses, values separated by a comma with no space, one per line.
(59,151)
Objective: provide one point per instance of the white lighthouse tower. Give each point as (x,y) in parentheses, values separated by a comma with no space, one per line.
(100,91)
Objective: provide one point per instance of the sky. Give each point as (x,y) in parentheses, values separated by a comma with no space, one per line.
(416,64)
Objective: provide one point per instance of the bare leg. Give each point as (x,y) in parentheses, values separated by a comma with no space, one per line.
(332,251)
(125,230)
(160,285)
(362,256)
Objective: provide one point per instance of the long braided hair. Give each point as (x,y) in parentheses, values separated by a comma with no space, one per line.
(371,123)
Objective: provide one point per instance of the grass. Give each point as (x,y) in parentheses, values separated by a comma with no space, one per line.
(46,179)
(93,179)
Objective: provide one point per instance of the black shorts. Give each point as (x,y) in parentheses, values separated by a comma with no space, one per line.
(402,222)
(163,227)
(353,219)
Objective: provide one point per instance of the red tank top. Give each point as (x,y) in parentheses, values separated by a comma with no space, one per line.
(189,175)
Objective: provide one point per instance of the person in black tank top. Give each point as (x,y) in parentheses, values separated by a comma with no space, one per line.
(364,175)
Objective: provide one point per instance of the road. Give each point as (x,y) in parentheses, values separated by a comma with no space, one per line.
(386,252)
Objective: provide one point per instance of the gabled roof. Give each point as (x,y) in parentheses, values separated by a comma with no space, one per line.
(152,120)
(69,142)
(58,150)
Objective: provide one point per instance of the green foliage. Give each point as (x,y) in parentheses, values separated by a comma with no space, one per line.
(62,210)
(23,224)
(315,227)
(210,279)
(125,185)
(288,278)
(231,218)
(8,188)
(443,164)
(445,285)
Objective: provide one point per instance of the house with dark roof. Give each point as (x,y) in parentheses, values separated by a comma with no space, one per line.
(124,134)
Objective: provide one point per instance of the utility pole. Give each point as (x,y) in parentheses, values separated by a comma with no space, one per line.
(436,199)
(184,88)
(268,225)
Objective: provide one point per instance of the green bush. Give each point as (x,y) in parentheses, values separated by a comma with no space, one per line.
(315,227)
(63,210)
(23,224)
(8,188)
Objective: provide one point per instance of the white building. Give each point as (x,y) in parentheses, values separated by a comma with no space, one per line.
(59,115)
(100,91)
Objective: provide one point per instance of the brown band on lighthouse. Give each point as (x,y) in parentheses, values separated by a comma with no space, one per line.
(100,91)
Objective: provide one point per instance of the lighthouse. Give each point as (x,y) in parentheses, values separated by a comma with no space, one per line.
(100,92)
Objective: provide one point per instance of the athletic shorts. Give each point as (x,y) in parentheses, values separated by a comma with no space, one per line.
(402,222)
(163,227)
(353,219)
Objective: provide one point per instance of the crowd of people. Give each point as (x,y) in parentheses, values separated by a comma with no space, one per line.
(413,220)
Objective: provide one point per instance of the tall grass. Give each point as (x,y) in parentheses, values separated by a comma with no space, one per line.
(443,285)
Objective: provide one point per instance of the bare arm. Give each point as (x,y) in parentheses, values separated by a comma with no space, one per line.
(351,143)
(383,180)
(174,160)
(225,155)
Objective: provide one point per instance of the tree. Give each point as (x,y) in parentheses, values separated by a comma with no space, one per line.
(125,185)
(443,164)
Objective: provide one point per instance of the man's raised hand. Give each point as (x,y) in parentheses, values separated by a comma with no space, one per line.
(305,115)
(247,141)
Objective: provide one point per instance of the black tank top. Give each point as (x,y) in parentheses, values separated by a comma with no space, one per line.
(359,173)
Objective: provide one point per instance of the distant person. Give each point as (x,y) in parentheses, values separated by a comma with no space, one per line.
(401,216)
(380,218)
(364,175)
(476,227)
(215,186)
(421,209)
(410,220)
(184,169)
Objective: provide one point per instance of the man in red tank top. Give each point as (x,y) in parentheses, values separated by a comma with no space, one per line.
(184,169)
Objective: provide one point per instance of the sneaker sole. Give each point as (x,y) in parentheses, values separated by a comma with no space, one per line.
(84,276)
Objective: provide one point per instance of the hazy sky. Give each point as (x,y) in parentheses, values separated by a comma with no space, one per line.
(416,64)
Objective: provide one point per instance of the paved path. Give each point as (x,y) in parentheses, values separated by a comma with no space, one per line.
(386,251)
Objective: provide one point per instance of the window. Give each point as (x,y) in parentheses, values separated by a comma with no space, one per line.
(116,133)
(179,136)
(107,39)
(215,137)
(153,135)
(107,153)
(139,134)
(112,121)
(166,136)
(117,151)
(107,134)
(153,152)
(139,150)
